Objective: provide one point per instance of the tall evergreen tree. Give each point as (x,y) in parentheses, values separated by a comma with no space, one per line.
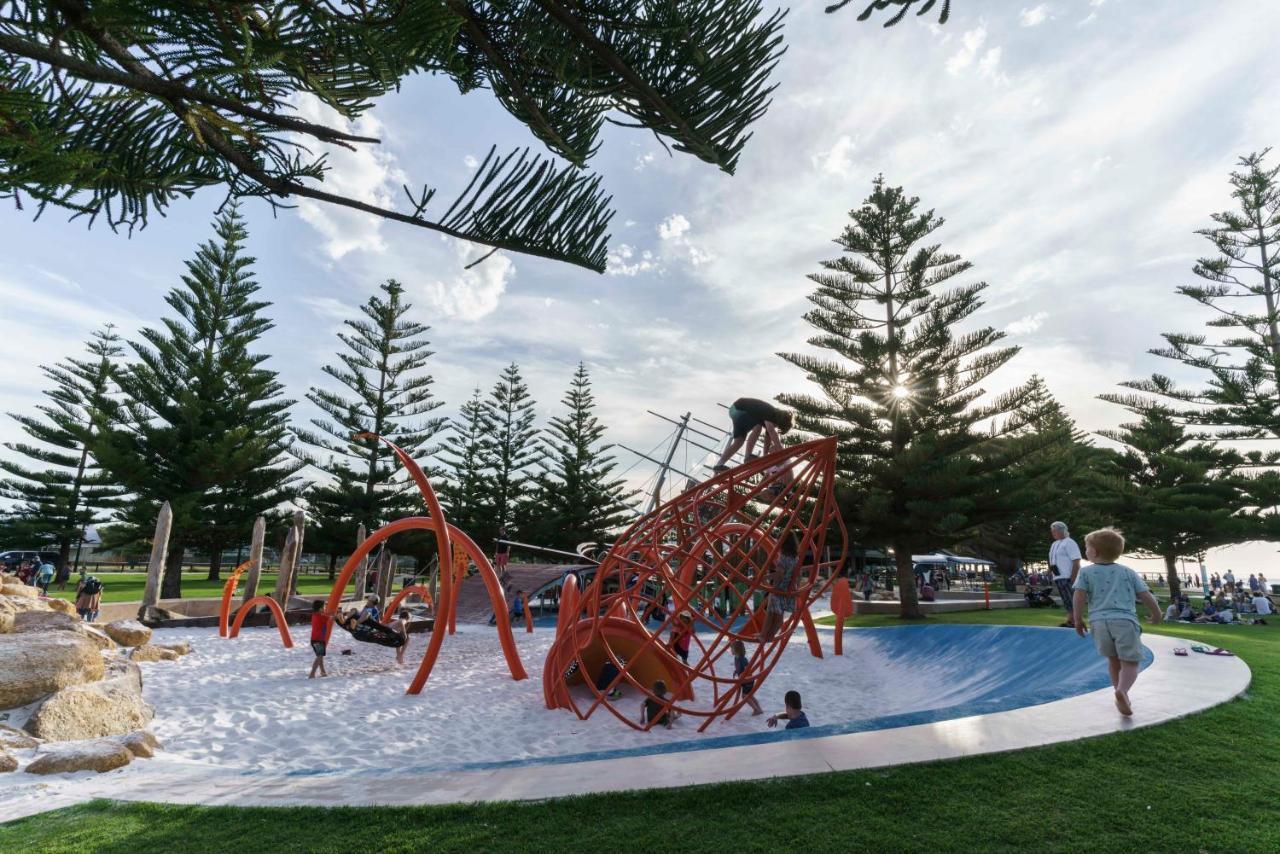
(62,489)
(205,426)
(1241,395)
(902,386)
(510,453)
(386,391)
(466,491)
(579,498)
(1178,495)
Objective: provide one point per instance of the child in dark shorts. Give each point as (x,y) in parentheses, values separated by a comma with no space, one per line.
(650,709)
(321,626)
(746,686)
(749,417)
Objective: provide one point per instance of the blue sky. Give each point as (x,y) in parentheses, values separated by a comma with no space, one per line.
(1073,147)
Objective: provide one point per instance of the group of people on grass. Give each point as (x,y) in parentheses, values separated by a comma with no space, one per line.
(42,574)
(1223,607)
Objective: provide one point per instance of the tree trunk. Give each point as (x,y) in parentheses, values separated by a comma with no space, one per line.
(910,603)
(1171,572)
(215,563)
(171,584)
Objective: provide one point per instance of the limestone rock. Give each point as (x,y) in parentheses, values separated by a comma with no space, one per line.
(151,652)
(99,755)
(44,621)
(128,632)
(63,605)
(6,622)
(180,647)
(113,706)
(16,739)
(32,665)
(8,762)
(18,589)
(98,636)
(141,743)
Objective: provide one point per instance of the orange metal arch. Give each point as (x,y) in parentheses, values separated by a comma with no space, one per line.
(421,589)
(274,606)
(229,590)
(842,607)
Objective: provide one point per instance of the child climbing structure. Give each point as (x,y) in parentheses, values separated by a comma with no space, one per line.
(742,554)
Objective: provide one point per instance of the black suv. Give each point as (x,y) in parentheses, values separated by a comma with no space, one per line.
(13,558)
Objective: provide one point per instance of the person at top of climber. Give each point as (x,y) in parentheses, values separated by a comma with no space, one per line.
(750,416)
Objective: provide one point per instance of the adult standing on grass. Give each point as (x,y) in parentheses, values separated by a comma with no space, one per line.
(44,577)
(88,598)
(1064,564)
(63,576)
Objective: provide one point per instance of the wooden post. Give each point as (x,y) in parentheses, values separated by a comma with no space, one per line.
(289,562)
(300,524)
(255,555)
(155,568)
(362,570)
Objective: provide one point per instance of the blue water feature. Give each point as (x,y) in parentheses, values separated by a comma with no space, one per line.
(978,670)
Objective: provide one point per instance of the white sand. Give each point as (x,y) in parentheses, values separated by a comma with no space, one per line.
(245,707)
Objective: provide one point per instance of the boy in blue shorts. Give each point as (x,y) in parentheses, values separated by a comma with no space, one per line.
(1111,590)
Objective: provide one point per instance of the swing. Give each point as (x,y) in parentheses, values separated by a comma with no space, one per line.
(374,632)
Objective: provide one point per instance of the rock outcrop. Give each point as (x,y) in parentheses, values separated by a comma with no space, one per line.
(151,652)
(32,665)
(16,739)
(113,706)
(62,605)
(98,636)
(141,744)
(128,632)
(8,762)
(13,587)
(99,755)
(180,647)
(6,622)
(44,621)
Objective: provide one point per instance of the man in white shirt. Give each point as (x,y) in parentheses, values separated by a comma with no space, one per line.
(1064,563)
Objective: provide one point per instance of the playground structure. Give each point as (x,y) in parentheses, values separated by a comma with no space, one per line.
(246,608)
(712,550)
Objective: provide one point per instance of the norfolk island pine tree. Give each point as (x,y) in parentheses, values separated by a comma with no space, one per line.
(203,425)
(63,489)
(386,391)
(465,491)
(509,456)
(919,457)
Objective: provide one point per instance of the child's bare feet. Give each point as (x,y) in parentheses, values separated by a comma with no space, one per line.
(1122,703)
(757,712)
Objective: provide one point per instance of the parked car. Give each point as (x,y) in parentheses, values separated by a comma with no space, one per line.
(12,558)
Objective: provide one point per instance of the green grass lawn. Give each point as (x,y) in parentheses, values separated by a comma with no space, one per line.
(128,586)
(1210,782)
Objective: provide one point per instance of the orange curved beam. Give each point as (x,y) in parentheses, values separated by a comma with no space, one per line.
(229,590)
(421,589)
(274,606)
(528,615)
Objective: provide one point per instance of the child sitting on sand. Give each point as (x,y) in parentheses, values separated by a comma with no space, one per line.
(746,686)
(651,707)
(793,714)
(401,627)
(1110,589)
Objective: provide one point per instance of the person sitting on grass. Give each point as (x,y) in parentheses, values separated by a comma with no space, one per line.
(793,714)
(1110,590)
(400,625)
(321,627)
(1187,614)
(1262,606)
(650,708)
(746,686)
(1172,612)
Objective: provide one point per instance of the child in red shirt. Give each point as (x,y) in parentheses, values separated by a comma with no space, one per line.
(321,626)
(682,637)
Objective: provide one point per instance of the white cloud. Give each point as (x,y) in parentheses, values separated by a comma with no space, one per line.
(625,261)
(644,160)
(472,294)
(838,159)
(1035,16)
(1027,325)
(368,174)
(989,65)
(970,43)
(673,227)
(471,161)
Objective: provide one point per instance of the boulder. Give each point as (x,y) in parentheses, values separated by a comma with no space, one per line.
(32,665)
(180,647)
(151,652)
(98,636)
(128,632)
(99,755)
(63,605)
(19,590)
(6,622)
(113,706)
(141,744)
(44,621)
(16,739)
(8,762)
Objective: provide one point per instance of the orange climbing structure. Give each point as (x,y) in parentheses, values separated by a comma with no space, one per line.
(713,551)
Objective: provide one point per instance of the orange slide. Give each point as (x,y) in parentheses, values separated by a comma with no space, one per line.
(626,639)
